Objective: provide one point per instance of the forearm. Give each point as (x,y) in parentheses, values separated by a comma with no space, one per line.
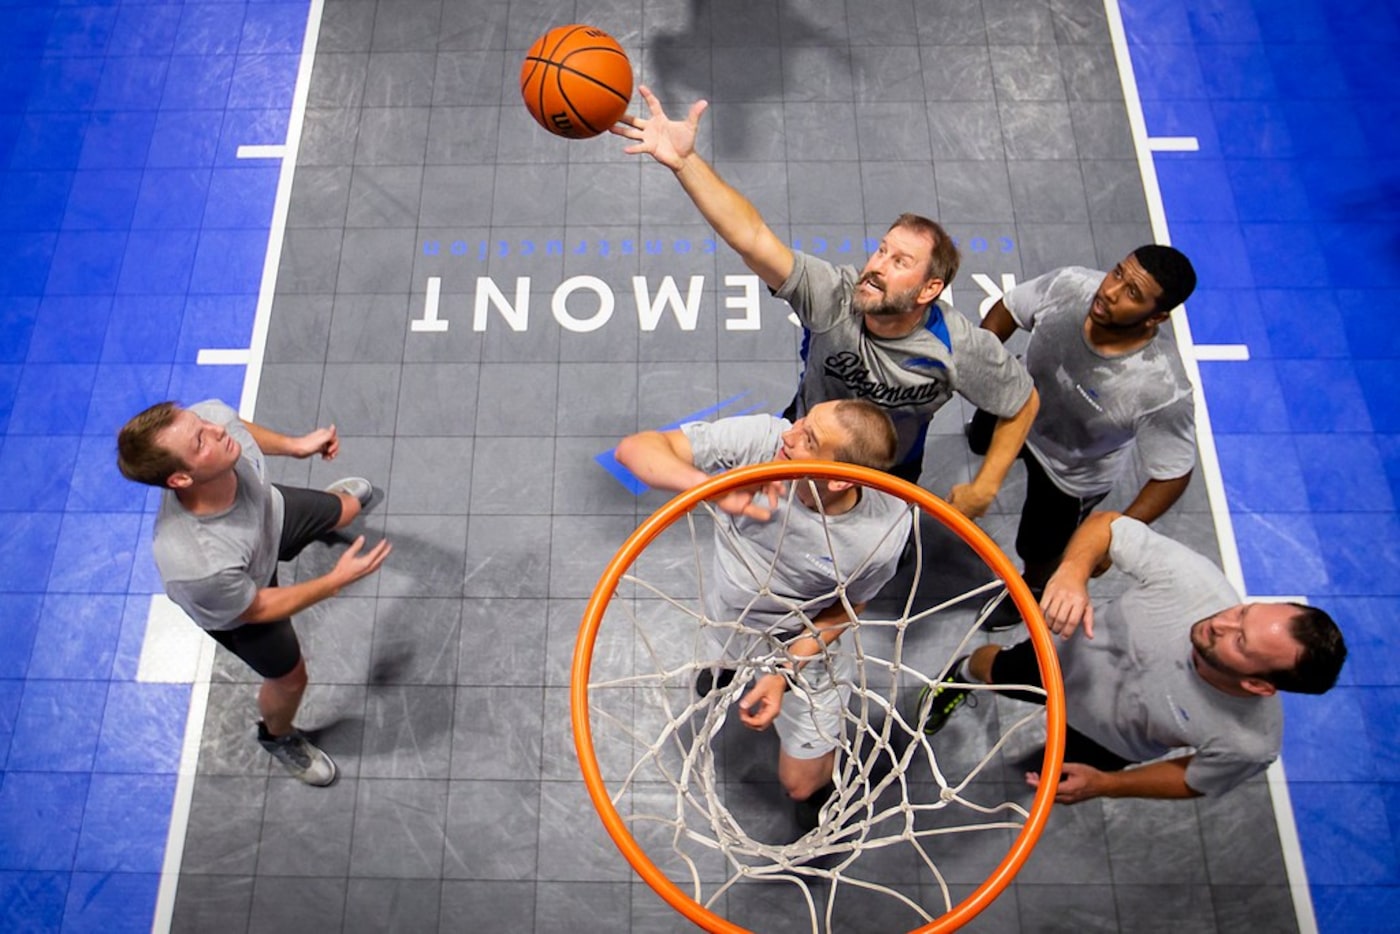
(1156,497)
(827,627)
(736,220)
(274,603)
(1088,546)
(1000,322)
(1008,437)
(272,442)
(1165,779)
(653,458)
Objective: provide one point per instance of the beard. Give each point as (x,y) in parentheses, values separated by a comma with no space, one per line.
(885,305)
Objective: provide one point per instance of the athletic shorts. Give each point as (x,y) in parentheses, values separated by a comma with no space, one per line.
(272,649)
(812,720)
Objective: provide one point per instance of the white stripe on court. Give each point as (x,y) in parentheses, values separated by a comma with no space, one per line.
(222,357)
(199,694)
(1210,462)
(170,649)
(1237,352)
(1173,144)
(272,151)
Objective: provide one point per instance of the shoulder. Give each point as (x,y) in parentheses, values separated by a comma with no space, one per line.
(216,411)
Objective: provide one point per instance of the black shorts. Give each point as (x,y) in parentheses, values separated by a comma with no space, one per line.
(1017,665)
(271,649)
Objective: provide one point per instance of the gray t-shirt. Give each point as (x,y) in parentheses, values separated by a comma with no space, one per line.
(1133,688)
(213,566)
(1094,408)
(910,377)
(790,554)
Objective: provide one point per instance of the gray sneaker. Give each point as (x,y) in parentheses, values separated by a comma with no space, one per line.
(357,487)
(299,756)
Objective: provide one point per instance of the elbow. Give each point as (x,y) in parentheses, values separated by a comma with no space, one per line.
(626,451)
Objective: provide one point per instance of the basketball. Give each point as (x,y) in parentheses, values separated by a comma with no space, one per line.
(576,81)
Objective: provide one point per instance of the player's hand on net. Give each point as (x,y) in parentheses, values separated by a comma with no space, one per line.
(1067,607)
(668,141)
(760,706)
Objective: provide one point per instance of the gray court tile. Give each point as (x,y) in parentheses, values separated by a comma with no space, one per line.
(438,400)
(507,556)
(826,192)
(1048,246)
(492,830)
(467,26)
(471,77)
(521,140)
(408,732)
(392,136)
(1064,909)
(764,387)
(1114,191)
(400,79)
(749,131)
(431,476)
(887,132)
(328,136)
(286,392)
(1048,192)
(406,24)
(574,847)
(367,329)
(957,72)
(1265,907)
(463,135)
(1231,826)
(308,263)
(375,905)
(399,829)
(529,195)
(1090,73)
(883,22)
(972,191)
(374,261)
(1072,848)
(817,73)
(581,386)
(360,398)
(359,457)
(496,733)
(516,400)
(1101,130)
(1113,241)
(335,636)
(1154,842)
(965,130)
(515,476)
(228,745)
(1010,22)
(891,188)
(386,196)
(312,836)
(526,22)
(886,75)
(1037,130)
(501,642)
(672,392)
(602,194)
(225,825)
(319,197)
(1077,22)
(428,557)
(287,905)
(825,129)
(488,907)
(737,23)
(576,562)
(1027,72)
(338,80)
(415,641)
(584,907)
(951,22)
(346,26)
(1164,907)
(212,903)
(746,74)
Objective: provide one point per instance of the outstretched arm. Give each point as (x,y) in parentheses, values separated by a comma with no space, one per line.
(323,441)
(1156,497)
(1079,782)
(275,603)
(973,499)
(664,459)
(1066,601)
(733,217)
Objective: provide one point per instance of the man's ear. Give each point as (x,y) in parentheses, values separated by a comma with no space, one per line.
(931,290)
(178,480)
(1258,686)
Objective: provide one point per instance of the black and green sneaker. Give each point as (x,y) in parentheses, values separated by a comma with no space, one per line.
(937,702)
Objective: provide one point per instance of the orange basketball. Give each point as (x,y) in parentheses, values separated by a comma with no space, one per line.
(576,81)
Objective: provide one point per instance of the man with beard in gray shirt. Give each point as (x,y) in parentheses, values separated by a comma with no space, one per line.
(876,333)
(1110,386)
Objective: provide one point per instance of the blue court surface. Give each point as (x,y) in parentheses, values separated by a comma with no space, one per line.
(133,231)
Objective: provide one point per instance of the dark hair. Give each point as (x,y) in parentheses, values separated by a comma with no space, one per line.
(873,441)
(943,261)
(139,457)
(1322,656)
(1172,271)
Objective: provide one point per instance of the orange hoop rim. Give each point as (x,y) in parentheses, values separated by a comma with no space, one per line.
(973,536)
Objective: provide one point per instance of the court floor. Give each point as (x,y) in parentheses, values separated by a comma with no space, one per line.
(386,242)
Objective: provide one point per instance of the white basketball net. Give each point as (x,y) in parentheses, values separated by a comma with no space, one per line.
(698,792)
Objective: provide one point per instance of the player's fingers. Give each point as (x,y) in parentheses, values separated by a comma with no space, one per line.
(1089,621)
(696,110)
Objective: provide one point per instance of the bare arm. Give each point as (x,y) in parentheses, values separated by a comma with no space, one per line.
(733,217)
(1000,322)
(1156,497)
(665,460)
(323,441)
(1079,782)
(1066,601)
(973,499)
(760,706)
(274,603)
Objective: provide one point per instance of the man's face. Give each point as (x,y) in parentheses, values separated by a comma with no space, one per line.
(207,450)
(1248,640)
(896,278)
(1127,297)
(816,436)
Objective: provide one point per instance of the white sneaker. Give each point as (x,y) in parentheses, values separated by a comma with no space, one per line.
(357,487)
(303,759)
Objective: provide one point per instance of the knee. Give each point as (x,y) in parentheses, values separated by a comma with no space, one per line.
(292,681)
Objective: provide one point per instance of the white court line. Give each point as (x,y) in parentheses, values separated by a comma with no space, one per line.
(1210,462)
(270,151)
(199,692)
(1236,352)
(1173,144)
(210,356)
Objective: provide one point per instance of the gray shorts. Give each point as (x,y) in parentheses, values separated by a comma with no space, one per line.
(812,721)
